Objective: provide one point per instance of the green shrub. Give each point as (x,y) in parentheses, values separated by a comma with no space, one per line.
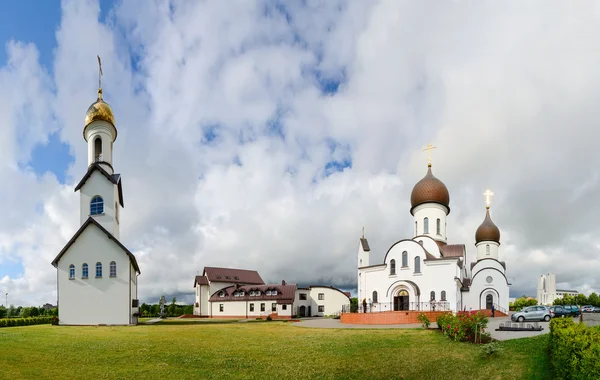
(464,326)
(11,322)
(574,350)
(489,350)
(424,320)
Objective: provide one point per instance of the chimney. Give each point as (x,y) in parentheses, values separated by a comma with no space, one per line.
(283,282)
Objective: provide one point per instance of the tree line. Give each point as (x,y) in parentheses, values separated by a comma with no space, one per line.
(172,309)
(580,299)
(26,312)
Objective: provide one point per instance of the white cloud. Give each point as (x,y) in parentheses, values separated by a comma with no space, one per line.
(507,94)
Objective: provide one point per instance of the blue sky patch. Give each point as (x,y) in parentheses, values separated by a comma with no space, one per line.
(11,268)
(53,157)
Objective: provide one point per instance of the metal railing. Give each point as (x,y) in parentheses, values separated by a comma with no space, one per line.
(378,307)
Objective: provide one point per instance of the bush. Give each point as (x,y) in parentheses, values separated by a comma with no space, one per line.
(424,320)
(464,326)
(269,318)
(574,350)
(489,350)
(11,322)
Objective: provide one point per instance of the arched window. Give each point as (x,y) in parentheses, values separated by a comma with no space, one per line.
(432,296)
(416,229)
(443,295)
(84,271)
(489,301)
(375,297)
(361,262)
(487,249)
(71,271)
(393,267)
(113,269)
(96,205)
(98,270)
(417,264)
(438,226)
(426,225)
(404,259)
(98,149)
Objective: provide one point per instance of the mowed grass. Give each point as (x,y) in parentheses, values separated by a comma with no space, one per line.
(273,350)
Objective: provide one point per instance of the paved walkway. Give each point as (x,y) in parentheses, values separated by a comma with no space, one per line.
(493,324)
(153,320)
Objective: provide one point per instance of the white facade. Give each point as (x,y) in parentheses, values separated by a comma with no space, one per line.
(425,273)
(547,292)
(319,301)
(97,276)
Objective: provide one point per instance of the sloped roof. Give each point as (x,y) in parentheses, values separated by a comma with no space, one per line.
(200,280)
(285,293)
(114,178)
(452,250)
(236,276)
(365,245)
(89,221)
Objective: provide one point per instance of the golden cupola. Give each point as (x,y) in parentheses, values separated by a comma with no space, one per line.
(99,110)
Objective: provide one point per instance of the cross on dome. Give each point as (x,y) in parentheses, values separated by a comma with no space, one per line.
(488,193)
(428,148)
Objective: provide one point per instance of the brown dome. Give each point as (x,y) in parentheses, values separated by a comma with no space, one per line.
(429,190)
(487,231)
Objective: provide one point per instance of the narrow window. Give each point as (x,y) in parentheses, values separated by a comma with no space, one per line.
(113,269)
(251,307)
(417,264)
(273,306)
(487,249)
(71,271)
(443,295)
(404,259)
(438,226)
(393,267)
(262,307)
(432,296)
(84,271)
(221,308)
(416,229)
(98,149)
(321,308)
(375,297)
(98,270)
(426,225)
(96,205)
(116,212)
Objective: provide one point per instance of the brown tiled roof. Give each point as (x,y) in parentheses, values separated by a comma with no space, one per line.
(114,178)
(348,294)
(200,280)
(452,250)
(429,190)
(285,293)
(237,276)
(365,244)
(89,221)
(487,231)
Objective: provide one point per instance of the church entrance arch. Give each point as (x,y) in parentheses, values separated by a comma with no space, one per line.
(302,311)
(401,300)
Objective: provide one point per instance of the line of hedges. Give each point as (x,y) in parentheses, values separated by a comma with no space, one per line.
(574,349)
(11,322)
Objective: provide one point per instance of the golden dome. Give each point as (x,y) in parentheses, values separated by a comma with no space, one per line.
(487,231)
(429,190)
(99,110)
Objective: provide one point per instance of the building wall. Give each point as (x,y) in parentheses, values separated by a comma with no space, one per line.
(133,291)
(482,251)
(241,309)
(332,302)
(202,296)
(105,131)
(475,298)
(435,276)
(98,184)
(94,300)
(433,211)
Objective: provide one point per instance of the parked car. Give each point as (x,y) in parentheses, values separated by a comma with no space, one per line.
(560,311)
(574,310)
(596,309)
(587,309)
(533,313)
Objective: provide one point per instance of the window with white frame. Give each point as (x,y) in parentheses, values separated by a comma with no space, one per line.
(321,308)
(404,259)
(113,269)
(221,308)
(417,264)
(273,306)
(71,271)
(251,307)
(84,271)
(321,296)
(283,307)
(97,205)
(274,292)
(262,307)
(98,270)
(302,296)
(426,225)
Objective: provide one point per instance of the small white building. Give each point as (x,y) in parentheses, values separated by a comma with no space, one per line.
(97,276)
(547,292)
(426,273)
(239,293)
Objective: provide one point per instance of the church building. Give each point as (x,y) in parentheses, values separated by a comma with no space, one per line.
(97,275)
(424,272)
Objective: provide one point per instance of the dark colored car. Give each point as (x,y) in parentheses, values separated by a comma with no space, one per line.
(574,310)
(560,311)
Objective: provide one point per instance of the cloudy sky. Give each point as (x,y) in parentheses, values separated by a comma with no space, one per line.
(264,135)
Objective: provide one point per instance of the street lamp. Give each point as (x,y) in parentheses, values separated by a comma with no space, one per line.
(6,301)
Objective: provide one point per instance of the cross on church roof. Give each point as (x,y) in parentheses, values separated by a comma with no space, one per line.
(428,148)
(488,193)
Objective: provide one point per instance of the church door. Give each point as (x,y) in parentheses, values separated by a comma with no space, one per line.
(302,311)
(401,301)
(489,301)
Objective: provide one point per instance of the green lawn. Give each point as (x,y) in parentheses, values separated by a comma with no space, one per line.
(272,350)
